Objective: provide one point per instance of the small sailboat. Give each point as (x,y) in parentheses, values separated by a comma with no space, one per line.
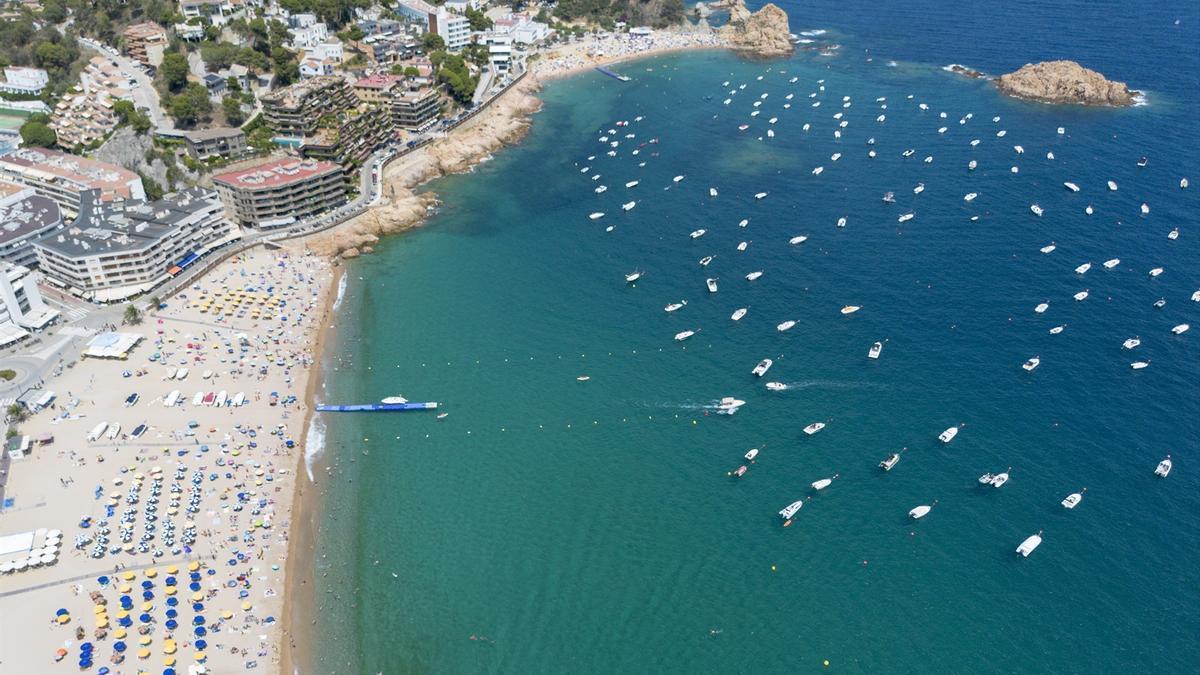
(876,348)
(905,218)
(751,454)
(1145,208)
(948,435)
(712,285)
(762,367)
(1164,468)
(922,510)
(785,326)
(824,482)
(1031,364)
(971,165)
(675,306)
(1183,183)
(1030,544)
(1089,210)
(850,309)
(814,428)
(738,314)
(1072,500)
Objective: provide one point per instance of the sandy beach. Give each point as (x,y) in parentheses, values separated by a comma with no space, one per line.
(197,507)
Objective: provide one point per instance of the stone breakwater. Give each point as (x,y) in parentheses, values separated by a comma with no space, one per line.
(1064,82)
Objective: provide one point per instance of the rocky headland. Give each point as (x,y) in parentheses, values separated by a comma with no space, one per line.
(1064,82)
(763,33)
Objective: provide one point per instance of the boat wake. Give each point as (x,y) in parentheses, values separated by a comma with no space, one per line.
(314,444)
(833,384)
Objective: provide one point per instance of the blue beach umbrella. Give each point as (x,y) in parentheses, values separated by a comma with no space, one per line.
(145,618)
(198,620)
(195,585)
(198,607)
(171,581)
(201,644)
(147,595)
(169,671)
(171,624)
(61,611)
(147,584)
(118,646)
(125,622)
(172,601)
(200,631)
(171,613)
(103,580)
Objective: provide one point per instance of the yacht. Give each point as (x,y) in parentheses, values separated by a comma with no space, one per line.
(776,386)
(1109,264)
(970,196)
(628,206)
(393,400)
(675,306)
(875,350)
(597,215)
(633,276)
(1138,365)
(754,275)
(1057,329)
(798,239)
(1163,468)
(948,435)
(1030,544)
(632,183)
(889,197)
(919,189)
(850,309)
(791,510)
(890,462)
(814,428)
(712,285)
(706,260)
(905,218)
(762,367)
(1082,269)
(1073,499)
(1001,478)
(785,326)
(1132,343)
(1112,185)
(680,337)
(760,195)
(738,314)
(1037,210)
(1031,364)
(696,234)
(841,222)
(751,454)
(1042,307)
(1156,271)
(1081,295)
(824,482)
(1180,329)
(729,405)
(1048,248)
(712,192)
(1071,186)
(921,511)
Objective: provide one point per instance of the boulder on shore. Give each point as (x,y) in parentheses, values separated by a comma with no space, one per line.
(1064,82)
(762,33)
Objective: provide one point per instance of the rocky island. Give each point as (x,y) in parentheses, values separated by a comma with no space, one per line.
(762,33)
(1064,82)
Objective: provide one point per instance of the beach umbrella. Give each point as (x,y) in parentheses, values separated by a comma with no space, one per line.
(118,646)
(143,653)
(119,633)
(169,661)
(151,573)
(197,597)
(147,584)
(147,606)
(172,570)
(172,613)
(193,566)
(171,624)
(63,610)
(144,640)
(86,647)
(226,614)
(170,581)
(98,609)
(172,602)
(125,588)
(147,595)
(246,606)
(101,621)
(195,585)
(200,631)
(145,618)
(198,620)
(197,607)
(201,644)
(102,580)
(64,618)
(200,657)
(170,590)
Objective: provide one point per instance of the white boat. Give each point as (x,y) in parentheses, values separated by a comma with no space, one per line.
(238,400)
(171,399)
(754,275)
(114,430)
(393,400)
(1073,499)
(824,482)
(729,405)
(181,374)
(1180,329)
(738,314)
(791,510)
(712,285)
(762,367)
(1109,264)
(1156,271)
(632,183)
(889,197)
(742,245)
(675,306)
(628,206)
(760,195)
(206,374)
(171,373)
(1112,185)
(876,348)
(1001,478)
(908,153)
(1163,468)
(1031,364)
(680,337)
(696,234)
(986,479)
(1057,329)
(1138,365)
(785,326)
(1081,295)
(706,260)
(1196,296)
(1048,248)
(1071,186)
(1037,210)
(676,179)
(1001,133)
(817,171)
(905,218)
(1183,183)
(890,461)
(1030,544)
(1173,234)
(712,192)
(1160,303)
(1082,269)
(602,189)
(1050,155)
(1132,342)
(970,196)
(1042,307)
(921,511)
(1089,210)
(198,399)
(814,428)
(222,397)
(776,386)
(948,435)
(751,454)
(850,309)
(597,215)
(97,431)
(743,222)
(633,276)
(798,239)
(1145,208)
(971,165)
(919,189)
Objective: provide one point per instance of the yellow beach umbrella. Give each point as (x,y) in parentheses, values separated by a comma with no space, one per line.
(99,609)
(226,614)
(147,606)
(122,614)
(144,640)
(170,590)
(169,661)
(63,618)
(197,596)
(193,566)
(172,570)
(126,588)
(102,622)
(151,573)
(143,653)
(246,606)
(119,633)
(200,657)
(128,575)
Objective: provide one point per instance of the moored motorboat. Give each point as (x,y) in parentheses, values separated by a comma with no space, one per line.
(1072,500)
(890,461)
(986,479)
(798,239)
(824,482)
(1163,468)
(1031,364)
(841,222)
(790,510)
(1037,210)
(948,435)
(1030,544)
(681,336)
(850,309)
(1081,295)
(1138,365)
(1180,329)
(1071,186)
(1058,329)
(814,428)
(1049,248)
(740,471)
(696,234)
(628,206)
(876,348)
(751,454)
(1132,342)
(597,215)
(1042,307)
(675,306)
(921,511)
(712,285)
(1001,478)
(738,314)
(706,260)
(762,367)
(785,326)
(754,275)
(1082,269)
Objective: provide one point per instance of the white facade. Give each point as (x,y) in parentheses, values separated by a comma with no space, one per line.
(21,306)
(500,53)
(309,36)
(530,32)
(454,29)
(24,80)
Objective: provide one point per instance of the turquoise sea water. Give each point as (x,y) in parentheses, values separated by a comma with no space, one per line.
(549,525)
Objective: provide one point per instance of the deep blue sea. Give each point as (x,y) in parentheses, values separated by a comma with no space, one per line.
(553,525)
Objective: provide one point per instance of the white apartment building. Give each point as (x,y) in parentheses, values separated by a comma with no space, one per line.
(21,306)
(18,80)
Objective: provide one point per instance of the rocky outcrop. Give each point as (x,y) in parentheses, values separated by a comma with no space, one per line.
(762,33)
(1064,82)
(137,153)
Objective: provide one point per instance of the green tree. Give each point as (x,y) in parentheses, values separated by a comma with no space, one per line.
(38,134)
(232,108)
(190,105)
(133,315)
(51,55)
(671,13)
(128,114)
(431,42)
(154,191)
(174,71)
(17,413)
(479,20)
(411,71)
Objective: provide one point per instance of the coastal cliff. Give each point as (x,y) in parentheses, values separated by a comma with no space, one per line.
(762,33)
(1064,82)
